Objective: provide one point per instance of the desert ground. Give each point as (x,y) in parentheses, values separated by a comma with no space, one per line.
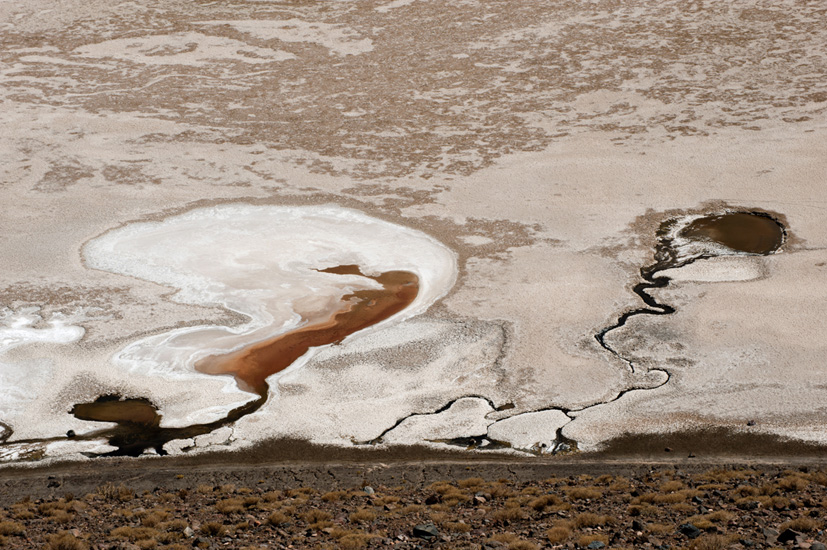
(477,227)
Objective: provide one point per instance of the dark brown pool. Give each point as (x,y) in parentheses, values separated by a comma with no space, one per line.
(749,232)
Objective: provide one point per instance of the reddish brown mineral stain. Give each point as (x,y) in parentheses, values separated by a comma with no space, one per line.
(253,364)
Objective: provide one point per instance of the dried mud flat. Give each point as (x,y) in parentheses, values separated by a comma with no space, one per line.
(178,180)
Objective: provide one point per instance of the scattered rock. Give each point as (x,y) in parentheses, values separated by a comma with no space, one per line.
(369,490)
(788,535)
(595,545)
(818,546)
(188,532)
(637,526)
(770,534)
(689,531)
(426,531)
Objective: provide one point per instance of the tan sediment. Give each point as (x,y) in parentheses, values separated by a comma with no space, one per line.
(253,364)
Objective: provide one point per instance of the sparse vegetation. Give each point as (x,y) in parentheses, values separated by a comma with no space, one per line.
(576,511)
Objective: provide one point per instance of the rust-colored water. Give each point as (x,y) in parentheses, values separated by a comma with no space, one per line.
(252,365)
(742,231)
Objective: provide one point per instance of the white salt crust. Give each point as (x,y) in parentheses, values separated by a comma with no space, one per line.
(261,262)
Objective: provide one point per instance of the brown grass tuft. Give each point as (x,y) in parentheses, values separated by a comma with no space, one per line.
(362,515)
(584,493)
(522,545)
(133,533)
(229,506)
(558,534)
(803,524)
(546,501)
(64,541)
(213,529)
(333,496)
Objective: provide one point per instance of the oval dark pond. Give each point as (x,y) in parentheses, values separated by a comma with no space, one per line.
(749,232)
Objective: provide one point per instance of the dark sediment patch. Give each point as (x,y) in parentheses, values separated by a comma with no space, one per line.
(705,443)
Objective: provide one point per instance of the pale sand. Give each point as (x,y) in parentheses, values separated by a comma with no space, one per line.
(541,145)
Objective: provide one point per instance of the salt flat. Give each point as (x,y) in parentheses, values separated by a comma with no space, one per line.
(528,156)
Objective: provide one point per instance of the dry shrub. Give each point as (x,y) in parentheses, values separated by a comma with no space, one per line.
(134,533)
(226,488)
(389,499)
(792,483)
(454,497)
(505,538)
(272,496)
(170,537)
(620,484)
(354,540)
(505,515)
(500,490)
(671,486)
(301,491)
(333,496)
(683,507)
(588,519)
(315,516)
(819,477)
(643,510)
(154,518)
(410,510)
(22,512)
(546,501)
(213,529)
(11,528)
(277,518)
(710,542)
(801,524)
(147,544)
(119,493)
(229,506)
(584,493)
(744,491)
(660,528)
(558,534)
(530,490)
(456,526)
(471,483)
(747,503)
(440,487)
(62,517)
(522,545)
(362,515)
(64,541)
(585,540)
(670,498)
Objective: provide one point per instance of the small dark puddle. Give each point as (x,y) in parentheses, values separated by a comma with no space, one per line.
(139,424)
(753,233)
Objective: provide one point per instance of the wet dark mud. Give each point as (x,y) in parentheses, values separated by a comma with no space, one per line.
(138,422)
